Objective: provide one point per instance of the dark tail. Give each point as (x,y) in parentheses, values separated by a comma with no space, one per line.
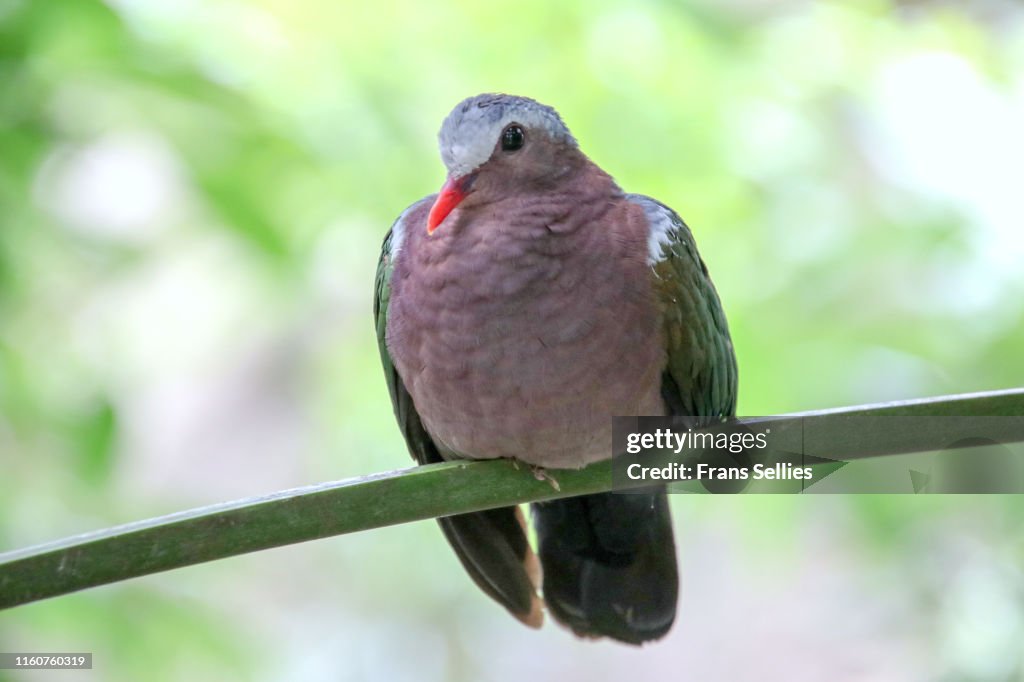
(609,564)
(493,548)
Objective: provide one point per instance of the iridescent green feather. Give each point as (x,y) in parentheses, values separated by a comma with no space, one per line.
(701,376)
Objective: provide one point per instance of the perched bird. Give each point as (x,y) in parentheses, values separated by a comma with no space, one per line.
(517,311)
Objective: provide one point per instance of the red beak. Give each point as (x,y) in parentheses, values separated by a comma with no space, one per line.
(450,196)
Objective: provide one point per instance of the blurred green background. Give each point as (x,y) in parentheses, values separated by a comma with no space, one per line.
(192,198)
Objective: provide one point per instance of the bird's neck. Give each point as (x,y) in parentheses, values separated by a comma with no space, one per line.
(561,206)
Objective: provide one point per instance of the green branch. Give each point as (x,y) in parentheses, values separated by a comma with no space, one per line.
(328,509)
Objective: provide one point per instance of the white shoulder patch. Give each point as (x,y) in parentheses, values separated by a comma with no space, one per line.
(400,228)
(398,233)
(661,227)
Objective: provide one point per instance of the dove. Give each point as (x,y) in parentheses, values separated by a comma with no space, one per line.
(517,311)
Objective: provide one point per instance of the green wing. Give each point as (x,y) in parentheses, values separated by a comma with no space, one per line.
(491,545)
(700,377)
(609,560)
(420,445)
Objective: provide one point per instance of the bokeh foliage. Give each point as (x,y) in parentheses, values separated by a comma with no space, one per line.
(192,200)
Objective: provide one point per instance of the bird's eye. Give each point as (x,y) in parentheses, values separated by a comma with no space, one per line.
(512,137)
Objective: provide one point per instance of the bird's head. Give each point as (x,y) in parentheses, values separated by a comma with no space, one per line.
(494,143)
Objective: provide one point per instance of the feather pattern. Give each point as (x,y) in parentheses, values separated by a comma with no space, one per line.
(491,545)
(700,378)
(547,302)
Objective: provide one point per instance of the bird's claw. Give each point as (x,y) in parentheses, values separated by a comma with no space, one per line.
(541,474)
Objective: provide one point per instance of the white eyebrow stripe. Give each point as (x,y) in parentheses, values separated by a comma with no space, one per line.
(470,133)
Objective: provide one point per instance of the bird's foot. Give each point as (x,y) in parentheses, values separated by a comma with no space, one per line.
(541,474)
